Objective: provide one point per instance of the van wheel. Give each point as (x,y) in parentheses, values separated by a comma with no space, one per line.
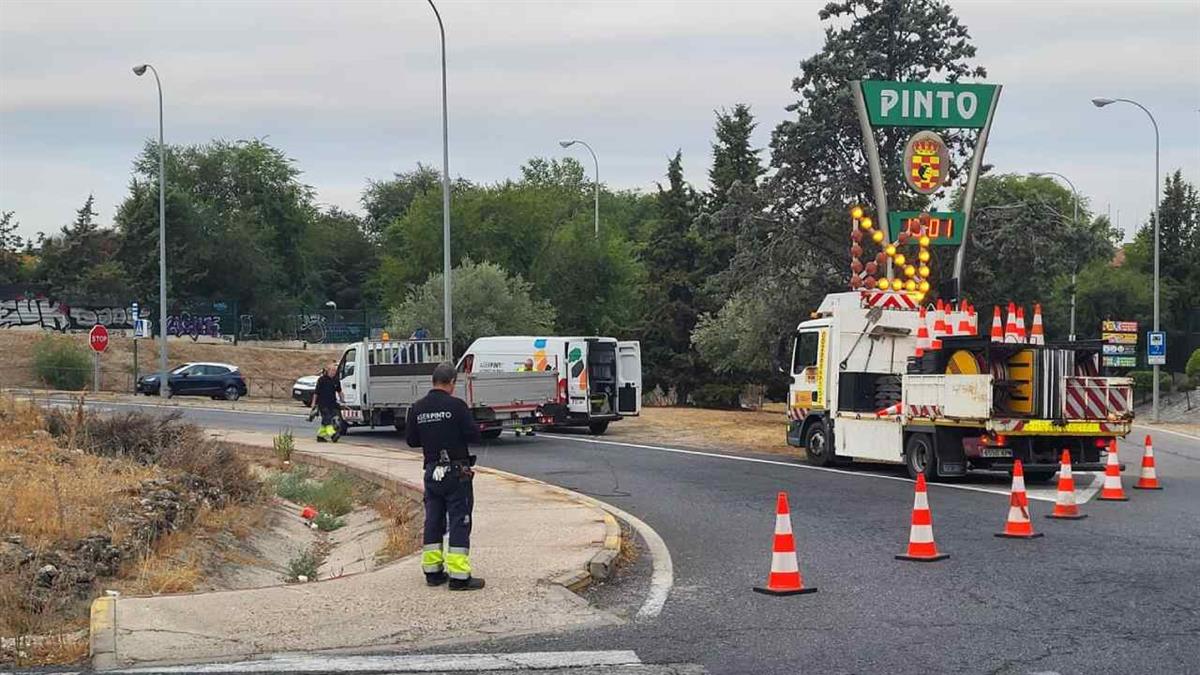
(919,457)
(597,428)
(818,446)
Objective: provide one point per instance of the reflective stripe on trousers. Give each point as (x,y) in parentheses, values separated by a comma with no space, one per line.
(458,562)
(431,558)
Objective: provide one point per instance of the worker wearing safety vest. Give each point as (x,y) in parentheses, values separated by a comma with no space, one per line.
(442,426)
(519,428)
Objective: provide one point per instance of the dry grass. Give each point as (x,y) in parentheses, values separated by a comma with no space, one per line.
(730,430)
(263,367)
(404,527)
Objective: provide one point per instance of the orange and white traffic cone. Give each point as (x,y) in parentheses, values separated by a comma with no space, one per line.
(894,409)
(1112,491)
(920,537)
(972,320)
(964,325)
(922,334)
(939,321)
(1010,324)
(1018,525)
(1149,478)
(997,327)
(785,570)
(1065,507)
(1022,334)
(1037,334)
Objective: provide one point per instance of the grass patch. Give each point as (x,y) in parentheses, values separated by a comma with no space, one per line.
(333,495)
(305,564)
(327,522)
(404,527)
(283,445)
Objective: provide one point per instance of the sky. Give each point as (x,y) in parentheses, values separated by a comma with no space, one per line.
(351,89)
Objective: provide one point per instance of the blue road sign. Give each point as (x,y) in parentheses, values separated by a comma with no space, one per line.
(1156,348)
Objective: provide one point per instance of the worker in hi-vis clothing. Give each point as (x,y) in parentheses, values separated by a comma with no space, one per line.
(327,400)
(519,428)
(442,426)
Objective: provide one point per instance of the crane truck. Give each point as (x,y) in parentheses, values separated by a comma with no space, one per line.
(859,391)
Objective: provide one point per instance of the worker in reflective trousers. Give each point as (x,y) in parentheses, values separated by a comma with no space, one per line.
(442,426)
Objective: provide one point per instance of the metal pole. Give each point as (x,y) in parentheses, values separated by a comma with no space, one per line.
(162,238)
(871,150)
(1075,222)
(596,164)
(969,193)
(448,323)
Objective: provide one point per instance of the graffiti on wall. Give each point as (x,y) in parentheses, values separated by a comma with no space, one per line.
(193,326)
(55,315)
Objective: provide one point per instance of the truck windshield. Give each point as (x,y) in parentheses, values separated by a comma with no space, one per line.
(805,354)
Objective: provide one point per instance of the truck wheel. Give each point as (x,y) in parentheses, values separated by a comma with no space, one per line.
(597,428)
(491,434)
(818,446)
(919,456)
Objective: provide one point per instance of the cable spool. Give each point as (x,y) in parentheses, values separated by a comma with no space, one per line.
(964,362)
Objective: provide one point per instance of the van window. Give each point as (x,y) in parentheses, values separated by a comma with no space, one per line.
(467,362)
(805,354)
(348,362)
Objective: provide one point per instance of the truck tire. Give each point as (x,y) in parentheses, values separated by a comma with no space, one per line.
(818,446)
(598,428)
(919,456)
(491,434)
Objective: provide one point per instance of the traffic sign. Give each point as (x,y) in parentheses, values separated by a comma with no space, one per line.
(1119,361)
(98,338)
(1118,326)
(938,105)
(135,312)
(1156,348)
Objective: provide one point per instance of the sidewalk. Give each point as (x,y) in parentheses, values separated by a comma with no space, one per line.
(245,404)
(529,541)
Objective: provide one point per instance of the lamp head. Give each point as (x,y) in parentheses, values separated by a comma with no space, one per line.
(566,144)
(139,70)
(1101,102)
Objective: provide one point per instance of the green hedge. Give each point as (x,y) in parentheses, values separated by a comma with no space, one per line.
(62,363)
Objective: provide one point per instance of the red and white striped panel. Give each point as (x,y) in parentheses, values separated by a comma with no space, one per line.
(926,411)
(1085,400)
(888,300)
(797,414)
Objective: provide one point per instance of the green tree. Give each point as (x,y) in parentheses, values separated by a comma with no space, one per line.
(343,260)
(1179,251)
(81,262)
(669,307)
(11,249)
(487,301)
(735,160)
(591,281)
(387,200)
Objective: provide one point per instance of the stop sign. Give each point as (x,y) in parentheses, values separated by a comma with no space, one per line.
(98,338)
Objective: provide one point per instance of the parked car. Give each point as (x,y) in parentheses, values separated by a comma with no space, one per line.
(218,380)
(303,389)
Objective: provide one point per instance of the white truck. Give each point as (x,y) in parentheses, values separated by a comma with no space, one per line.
(974,403)
(381,379)
(599,379)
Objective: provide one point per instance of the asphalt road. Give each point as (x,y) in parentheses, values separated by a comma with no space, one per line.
(1114,593)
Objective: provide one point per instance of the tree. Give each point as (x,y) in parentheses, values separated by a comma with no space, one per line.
(734,160)
(81,262)
(1179,250)
(343,260)
(487,301)
(591,281)
(387,200)
(10,249)
(670,312)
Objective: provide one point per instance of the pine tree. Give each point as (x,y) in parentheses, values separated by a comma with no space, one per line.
(734,160)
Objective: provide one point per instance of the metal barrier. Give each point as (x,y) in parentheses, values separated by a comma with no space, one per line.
(1097,398)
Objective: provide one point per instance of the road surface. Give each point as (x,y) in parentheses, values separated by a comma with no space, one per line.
(1114,593)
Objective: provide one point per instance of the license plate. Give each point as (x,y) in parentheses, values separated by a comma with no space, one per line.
(355,415)
(995,452)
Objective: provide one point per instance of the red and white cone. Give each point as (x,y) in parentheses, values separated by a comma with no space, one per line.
(939,321)
(1149,477)
(1065,507)
(1018,525)
(1112,491)
(1037,334)
(1022,333)
(922,334)
(920,536)
(894,409)
(997,326)
(785,569)
(1010,324)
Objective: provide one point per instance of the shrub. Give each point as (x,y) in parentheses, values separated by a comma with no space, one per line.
(284,445)
(61,363)
(334,495)
(327,522)
(1193,366)
(305,565)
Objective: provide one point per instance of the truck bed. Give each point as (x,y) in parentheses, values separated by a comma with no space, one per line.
(503,392)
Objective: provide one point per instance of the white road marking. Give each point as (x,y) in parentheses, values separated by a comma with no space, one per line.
(1085,495)
(422,663)
(1155,430)
(793,465)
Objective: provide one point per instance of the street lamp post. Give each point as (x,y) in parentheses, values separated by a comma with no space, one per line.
(1074,222)
(1100,103)
(163,390)
(596,163)
(448,322)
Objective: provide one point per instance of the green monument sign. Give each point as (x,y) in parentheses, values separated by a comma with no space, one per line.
(928,104)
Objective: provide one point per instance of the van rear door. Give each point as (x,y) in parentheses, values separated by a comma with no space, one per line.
(629,378)
(576,374)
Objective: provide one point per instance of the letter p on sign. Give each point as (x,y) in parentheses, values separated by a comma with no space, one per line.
(98,338)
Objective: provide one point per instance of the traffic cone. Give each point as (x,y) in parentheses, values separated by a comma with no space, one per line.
(1112,491)
(1037,334)
(1149,478)
(920,537)
(997,328)
(1018,525)
(1010,324)
(1064,505)
(939,320)
(785,570)
(894,409)
(964,325)
(1022,334)
(922,334)
(972,320)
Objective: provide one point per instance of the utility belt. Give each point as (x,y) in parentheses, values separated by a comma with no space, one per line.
(460,467)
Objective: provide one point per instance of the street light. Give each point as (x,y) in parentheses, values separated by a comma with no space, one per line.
(162,237)
(1075,222)
(596,162)
(447,322)
(1100,103)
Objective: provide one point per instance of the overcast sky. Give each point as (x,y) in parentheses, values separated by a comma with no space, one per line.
(351,89)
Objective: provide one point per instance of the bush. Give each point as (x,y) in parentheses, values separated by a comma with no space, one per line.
(725,396)
(61,363)
(1143,381)
(327,522)
(333,496)
(304,565)
(1193,366)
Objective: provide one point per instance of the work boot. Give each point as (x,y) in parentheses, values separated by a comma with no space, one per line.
(436,578)
(334,438)
(468,584)
(321,439)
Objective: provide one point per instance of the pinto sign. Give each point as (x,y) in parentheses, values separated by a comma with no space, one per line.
(936,105)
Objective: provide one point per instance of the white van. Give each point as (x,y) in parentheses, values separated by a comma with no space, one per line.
(599,381)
